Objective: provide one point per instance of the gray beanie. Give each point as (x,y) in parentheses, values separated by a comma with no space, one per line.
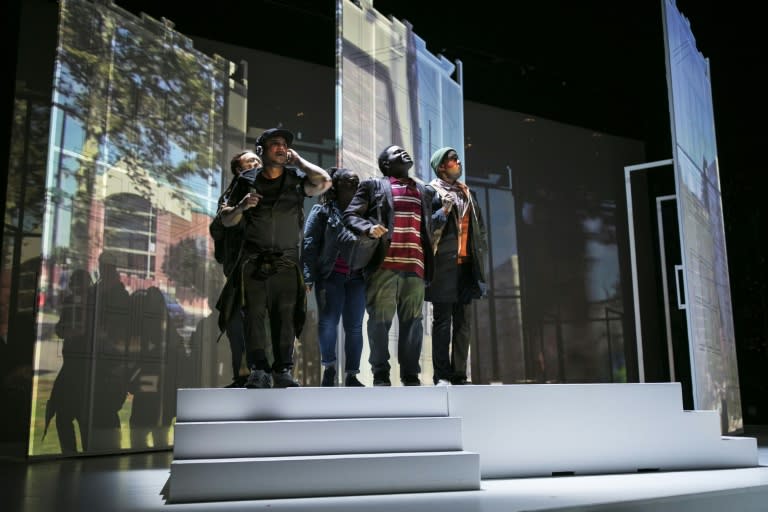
(438,156)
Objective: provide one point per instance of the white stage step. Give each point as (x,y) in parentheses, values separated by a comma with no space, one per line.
(546,429)
(328,475)
(316,437)
(276,443)
(226,437)
(309,403)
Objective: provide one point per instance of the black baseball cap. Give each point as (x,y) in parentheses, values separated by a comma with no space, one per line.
(275,132)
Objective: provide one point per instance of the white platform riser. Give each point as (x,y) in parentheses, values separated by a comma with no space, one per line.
(739,454)
(553,401)
(517,430)
(309,403)
(584,436)
(316,437)
(529,439)
(242,479)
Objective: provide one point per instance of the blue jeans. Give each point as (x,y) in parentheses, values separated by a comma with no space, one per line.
(340,296)
(388,293)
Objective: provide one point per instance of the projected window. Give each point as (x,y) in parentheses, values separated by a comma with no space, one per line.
(393,91)
(136,157)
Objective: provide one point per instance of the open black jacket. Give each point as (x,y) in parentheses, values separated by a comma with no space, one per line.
(450,285)
(231,298)
(362,214)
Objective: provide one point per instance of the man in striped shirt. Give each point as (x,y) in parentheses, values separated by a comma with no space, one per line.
(397,209)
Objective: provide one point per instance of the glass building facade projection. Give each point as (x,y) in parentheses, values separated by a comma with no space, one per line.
(709,311)
(108,269)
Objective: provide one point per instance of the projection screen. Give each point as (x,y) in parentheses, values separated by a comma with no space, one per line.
(700,213)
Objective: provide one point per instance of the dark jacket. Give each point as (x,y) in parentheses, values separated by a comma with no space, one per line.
(361,215)
(320,248)
(291,217)
(452,282)
(227,243)
(280,227)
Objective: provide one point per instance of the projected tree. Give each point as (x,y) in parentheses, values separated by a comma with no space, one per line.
(145,102)
(187,265)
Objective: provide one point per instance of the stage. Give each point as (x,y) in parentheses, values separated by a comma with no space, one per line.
(137,482)
(618,447)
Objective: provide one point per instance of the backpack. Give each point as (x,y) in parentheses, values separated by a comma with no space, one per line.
(358,250)
(218,230)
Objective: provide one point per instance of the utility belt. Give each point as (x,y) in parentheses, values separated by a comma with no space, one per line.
(263,264)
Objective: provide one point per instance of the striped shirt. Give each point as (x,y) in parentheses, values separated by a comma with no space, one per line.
(405,253)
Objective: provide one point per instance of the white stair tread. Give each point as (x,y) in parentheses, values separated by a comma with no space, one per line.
(309,403)
(315,437)
(323,475)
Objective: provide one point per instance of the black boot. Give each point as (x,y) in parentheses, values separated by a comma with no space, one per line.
(329,377)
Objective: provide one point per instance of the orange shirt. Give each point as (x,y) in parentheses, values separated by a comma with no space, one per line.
(463,234)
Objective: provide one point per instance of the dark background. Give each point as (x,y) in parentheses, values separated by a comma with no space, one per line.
(597,64)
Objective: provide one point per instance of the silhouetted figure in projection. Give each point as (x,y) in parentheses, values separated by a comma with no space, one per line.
(459,243)
(268,203)
(68,402)
(228,243)
(16,348)
(110,305)
(396,276)
(339,290)
(211,360)
(153,346)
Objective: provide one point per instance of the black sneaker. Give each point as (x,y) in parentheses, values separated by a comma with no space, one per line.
(459,380)
(329,377)
(284,379)
(259,379)
(411,380)
(237,382)
(381,379)
(352,382)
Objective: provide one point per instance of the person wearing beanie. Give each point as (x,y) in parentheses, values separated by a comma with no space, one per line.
(459,245)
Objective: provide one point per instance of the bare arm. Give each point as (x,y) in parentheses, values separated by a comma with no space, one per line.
(231,215)
(318,181)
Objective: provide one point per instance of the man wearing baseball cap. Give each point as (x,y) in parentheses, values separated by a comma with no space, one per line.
(267,203)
